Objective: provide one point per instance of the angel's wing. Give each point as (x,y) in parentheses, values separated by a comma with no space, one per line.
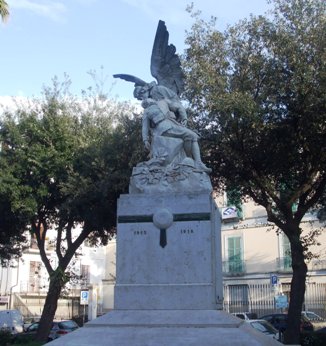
(165,63)
(130,78)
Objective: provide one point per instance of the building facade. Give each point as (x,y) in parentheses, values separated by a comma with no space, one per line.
(256,270)
(257,262)
(24,283)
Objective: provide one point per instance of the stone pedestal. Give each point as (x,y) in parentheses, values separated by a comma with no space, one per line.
(168,290)
(166,328)
(186,272)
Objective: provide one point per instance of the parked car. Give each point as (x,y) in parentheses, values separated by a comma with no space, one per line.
(264,327)
(11,320)
(58,329)
(29,320)
(245,315)
(279,321)
(317,321)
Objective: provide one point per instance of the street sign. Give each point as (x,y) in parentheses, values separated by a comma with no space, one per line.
(84,297)
(281,302)
(229,213)
(274,280)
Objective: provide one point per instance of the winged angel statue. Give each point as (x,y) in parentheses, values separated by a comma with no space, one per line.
(170,142)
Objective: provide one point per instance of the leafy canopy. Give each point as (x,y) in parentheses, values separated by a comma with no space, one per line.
(258,94)
(63,162)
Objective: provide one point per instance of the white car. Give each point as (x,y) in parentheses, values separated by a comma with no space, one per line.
(317,321)
(11,320)
(265,328)
(245,315)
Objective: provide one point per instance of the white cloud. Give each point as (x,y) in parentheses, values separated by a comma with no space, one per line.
(11,104)
(45,8)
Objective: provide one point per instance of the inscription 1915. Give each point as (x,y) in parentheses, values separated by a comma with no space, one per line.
(182,231)
(186,231)
(140,232)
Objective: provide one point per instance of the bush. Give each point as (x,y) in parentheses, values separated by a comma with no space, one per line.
(26,341)
(5,337)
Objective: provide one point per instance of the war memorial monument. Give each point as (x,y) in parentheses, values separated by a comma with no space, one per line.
(169,271)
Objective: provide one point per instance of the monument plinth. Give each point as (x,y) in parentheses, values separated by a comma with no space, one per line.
(185,273)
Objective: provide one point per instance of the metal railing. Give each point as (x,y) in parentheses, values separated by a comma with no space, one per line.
(318,264)
(233,267)
(260,298)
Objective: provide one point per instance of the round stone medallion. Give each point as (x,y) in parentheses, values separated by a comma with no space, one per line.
(163,218)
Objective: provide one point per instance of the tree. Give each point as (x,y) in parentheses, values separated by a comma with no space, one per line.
(258,94)
(13,216)
(66,166)
(4,12)
(321,208)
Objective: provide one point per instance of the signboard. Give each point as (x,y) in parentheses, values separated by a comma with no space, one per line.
(274,280)
(229,213)
(84,295)
(281,302)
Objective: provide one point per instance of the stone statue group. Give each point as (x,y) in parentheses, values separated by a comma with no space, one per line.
(164,124)
(164,114)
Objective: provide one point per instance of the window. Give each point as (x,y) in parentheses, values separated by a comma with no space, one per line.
(85,274)
(285,260)
(234,251)
(34,276)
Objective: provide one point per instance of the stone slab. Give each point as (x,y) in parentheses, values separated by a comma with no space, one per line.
(166,328)
(189,296)
(142,204)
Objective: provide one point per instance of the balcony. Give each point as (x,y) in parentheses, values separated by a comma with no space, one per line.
(318,265)
(234,268)
(34,286)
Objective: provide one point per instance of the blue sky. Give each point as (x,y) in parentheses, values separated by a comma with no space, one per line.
(47,38)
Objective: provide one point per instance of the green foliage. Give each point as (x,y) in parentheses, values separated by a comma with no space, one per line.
(64,162)
(258,94)
(321,208)
(5,337)
(4,11)
(26,341)
(60,276)
(100,173)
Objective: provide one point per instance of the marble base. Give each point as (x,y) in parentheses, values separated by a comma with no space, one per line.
(166,328)
(167,293)
(183,273)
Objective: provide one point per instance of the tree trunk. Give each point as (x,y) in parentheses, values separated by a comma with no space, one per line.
(49,309)
(298,287)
